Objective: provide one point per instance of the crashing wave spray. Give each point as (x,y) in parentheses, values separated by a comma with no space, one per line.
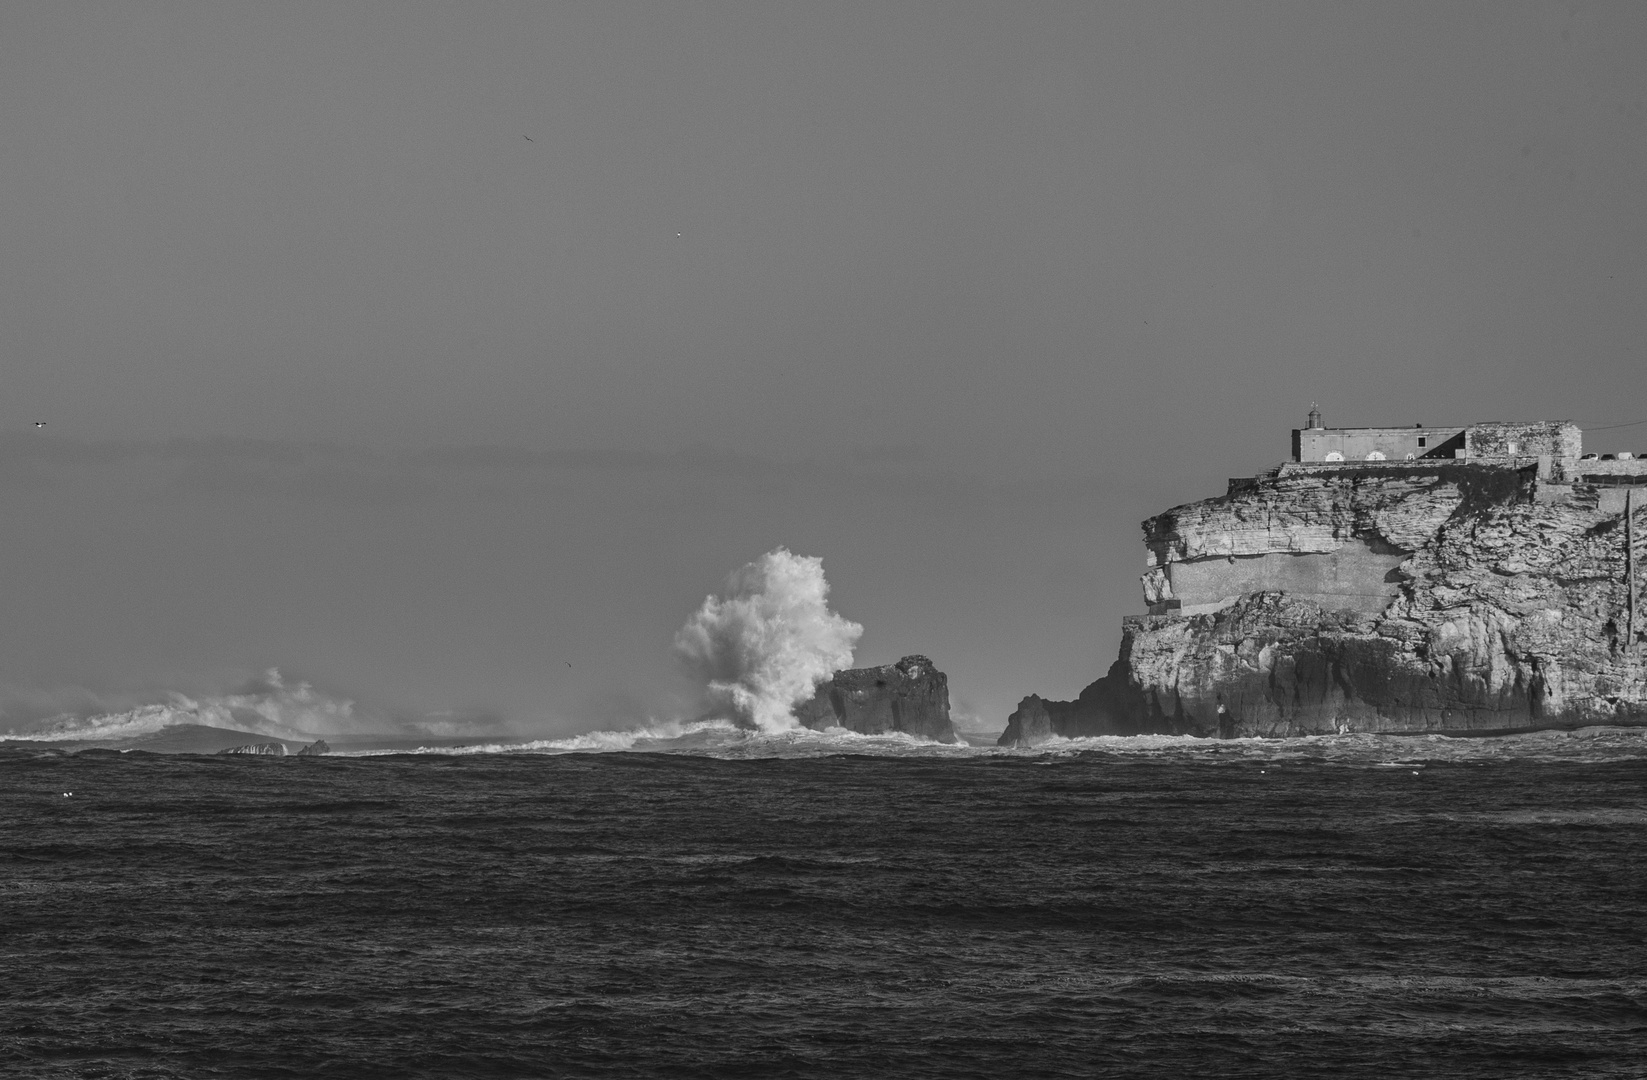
(763,647)
(265,706)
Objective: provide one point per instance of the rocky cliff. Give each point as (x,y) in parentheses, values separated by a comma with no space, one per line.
(911,696)
(1403,598)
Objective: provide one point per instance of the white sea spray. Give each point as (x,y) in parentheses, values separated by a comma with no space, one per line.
(266,706)
(765,645)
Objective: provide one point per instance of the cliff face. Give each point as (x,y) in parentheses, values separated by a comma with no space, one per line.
(1448,598)
(911,696)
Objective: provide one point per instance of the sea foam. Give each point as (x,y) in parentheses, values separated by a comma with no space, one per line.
(727,740)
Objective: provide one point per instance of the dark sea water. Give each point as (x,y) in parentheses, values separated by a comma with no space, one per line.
(1164,909)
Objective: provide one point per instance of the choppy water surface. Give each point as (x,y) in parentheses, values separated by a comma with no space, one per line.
(1353,907)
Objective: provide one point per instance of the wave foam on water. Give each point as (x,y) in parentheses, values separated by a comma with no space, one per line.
(725,739)
(712,738)
(1370,750)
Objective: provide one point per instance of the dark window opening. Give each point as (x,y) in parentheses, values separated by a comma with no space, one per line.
(1422,441)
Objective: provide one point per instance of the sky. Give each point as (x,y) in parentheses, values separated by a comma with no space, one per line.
(447,356)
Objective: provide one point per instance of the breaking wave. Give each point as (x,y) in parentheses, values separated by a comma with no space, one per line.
(1364,750)
(763,647)
(265,706)
(711,738)
(725,739)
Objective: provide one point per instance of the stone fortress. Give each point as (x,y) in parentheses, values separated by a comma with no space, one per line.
(1360,577)
(1463,579)
(1556,447)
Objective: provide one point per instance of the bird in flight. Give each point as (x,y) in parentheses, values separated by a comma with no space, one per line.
(528,138)
(39,423)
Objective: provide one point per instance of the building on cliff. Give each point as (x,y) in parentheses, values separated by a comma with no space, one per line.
(1493,440)
(1477,578)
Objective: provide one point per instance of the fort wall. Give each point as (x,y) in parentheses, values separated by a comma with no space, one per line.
(1376,444)
(1492,440)
(1602,472)
(1497,438)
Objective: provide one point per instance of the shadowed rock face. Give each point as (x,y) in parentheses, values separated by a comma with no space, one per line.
(910,696)
(315,749)
(1506,612)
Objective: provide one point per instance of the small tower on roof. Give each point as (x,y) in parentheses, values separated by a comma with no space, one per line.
(1315,418)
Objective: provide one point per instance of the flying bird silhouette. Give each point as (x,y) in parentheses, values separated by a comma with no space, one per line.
(39,423)
(528,138)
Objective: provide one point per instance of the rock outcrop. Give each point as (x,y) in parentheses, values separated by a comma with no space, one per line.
(273,749)
(315,749)
(1464,598)
(911,696)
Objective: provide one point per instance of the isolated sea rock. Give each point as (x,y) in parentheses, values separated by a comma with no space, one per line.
(272,749)
(1448,598)
(1030,724)
(315,749)
(911,696)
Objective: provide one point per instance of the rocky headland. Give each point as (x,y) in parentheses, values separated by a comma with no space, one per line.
(1388,596)
(911,696)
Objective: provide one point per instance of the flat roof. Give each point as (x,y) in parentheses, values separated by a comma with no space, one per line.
(1424,427)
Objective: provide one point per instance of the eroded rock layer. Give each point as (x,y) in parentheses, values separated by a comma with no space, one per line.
(1447,598)
(911,696)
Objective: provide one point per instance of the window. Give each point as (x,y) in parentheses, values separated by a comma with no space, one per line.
(1333,455)
(1422,441)
(1376,455)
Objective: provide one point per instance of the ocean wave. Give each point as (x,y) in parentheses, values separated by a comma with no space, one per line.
(723,739)
(710,738)
(1370,750)
(266,706)
(766,645)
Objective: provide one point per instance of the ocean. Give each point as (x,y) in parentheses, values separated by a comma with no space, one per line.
(828,906)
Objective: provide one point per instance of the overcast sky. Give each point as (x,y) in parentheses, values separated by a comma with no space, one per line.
(425,350)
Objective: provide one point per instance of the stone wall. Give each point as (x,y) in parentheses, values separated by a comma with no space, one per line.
(1493,440)
(1581,470)
(1394,444)
(1498,438)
